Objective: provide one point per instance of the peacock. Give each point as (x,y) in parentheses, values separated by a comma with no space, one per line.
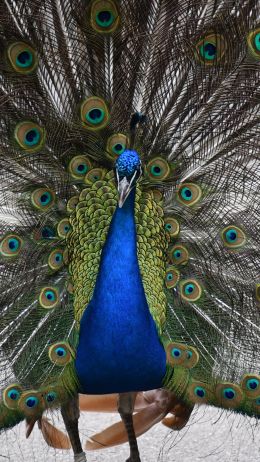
(129,206)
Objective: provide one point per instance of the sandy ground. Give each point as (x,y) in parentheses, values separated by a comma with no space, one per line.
(211,435)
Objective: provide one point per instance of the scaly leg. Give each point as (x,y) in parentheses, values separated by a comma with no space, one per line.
(126,404)
(70,414)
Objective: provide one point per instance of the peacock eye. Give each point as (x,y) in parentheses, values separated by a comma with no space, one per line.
(158,169)
(251,385)
(190,290)
(172,277)
(22,57)
(43,199)
(116,145)
(210,49)
(172,226)
(104,16)
(49,298)
(189,194)
(176,352)
(60,353)
(63,228)
(233,237)
(11,396)
(51,397)
(253,41)
(200,392)
(229,395)
(79,166)
(179,255)
(30,403)
(29,136)
(11,245)
(94,113)
(94,175)
(55,260)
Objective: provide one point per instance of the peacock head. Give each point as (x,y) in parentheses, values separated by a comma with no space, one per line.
(128,168)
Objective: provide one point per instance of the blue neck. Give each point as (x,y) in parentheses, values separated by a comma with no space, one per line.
(119,349)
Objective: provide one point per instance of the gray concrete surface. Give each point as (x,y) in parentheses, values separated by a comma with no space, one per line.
(211,435)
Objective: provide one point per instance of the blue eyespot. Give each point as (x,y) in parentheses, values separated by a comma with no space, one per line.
(24,59)
(45,198)
(169,277)
(13,244)
(231,235)
(50,295)
(13,394)
(51,397)
(257,41)
(32,137)
(31,402)
(200,392)
(156,170)
(95,116)
(229,393)
(118,148)
(189,289)
(168,227)
(176,353)
(81,168)
(208,51)
(252,384)
(58,257)
(61,352)
(186,194)
(177,254)
(257,401)
(104,18)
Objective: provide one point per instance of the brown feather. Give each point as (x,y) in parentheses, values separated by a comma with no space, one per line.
(53,437)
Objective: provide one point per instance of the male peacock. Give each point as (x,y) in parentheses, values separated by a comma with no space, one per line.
(129,205)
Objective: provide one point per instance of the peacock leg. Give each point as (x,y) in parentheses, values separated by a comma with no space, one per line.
(70,414)
(126,404)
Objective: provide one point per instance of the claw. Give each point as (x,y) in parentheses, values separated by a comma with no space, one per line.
(116,434)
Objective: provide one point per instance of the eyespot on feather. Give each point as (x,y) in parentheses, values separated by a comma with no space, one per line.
(94,175)
(55,259)
(229,395)
(31,403)
(94,113)
(49,298)
(233,237)
(172,277)
(22,57)
(172,226)
(158,169)
(251,385)
(253,42)
(179,354)
(61,354)
(63,228)
(104,16)
(43,199)
(11,245)
(179,255)
(72,204)
(116,145)
(30,136)
(45,233)
(189,194)
(79,167)
(190,290)
(11,396)
(210,49)
(200,393)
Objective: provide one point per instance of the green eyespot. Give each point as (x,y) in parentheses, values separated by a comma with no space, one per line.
(190,290)
(94,175)
(210,49)
(11,245)
(158,169)
(22,57)
(63,228)
(56,260)
(31,403)
(229,395)
(104,16)
(49,298)
(116,145)
(172,226)
(60,353)
(172,277)
(179,255)
(233,237)
(253,41)
(30,136)
(11,395)
(43,199)
(79,167)
(94,113)
(189,194)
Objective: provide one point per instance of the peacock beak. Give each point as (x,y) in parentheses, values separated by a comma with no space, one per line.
(124,189)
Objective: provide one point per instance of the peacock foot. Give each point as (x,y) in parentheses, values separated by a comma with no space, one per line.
(80,457)
(135,458)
